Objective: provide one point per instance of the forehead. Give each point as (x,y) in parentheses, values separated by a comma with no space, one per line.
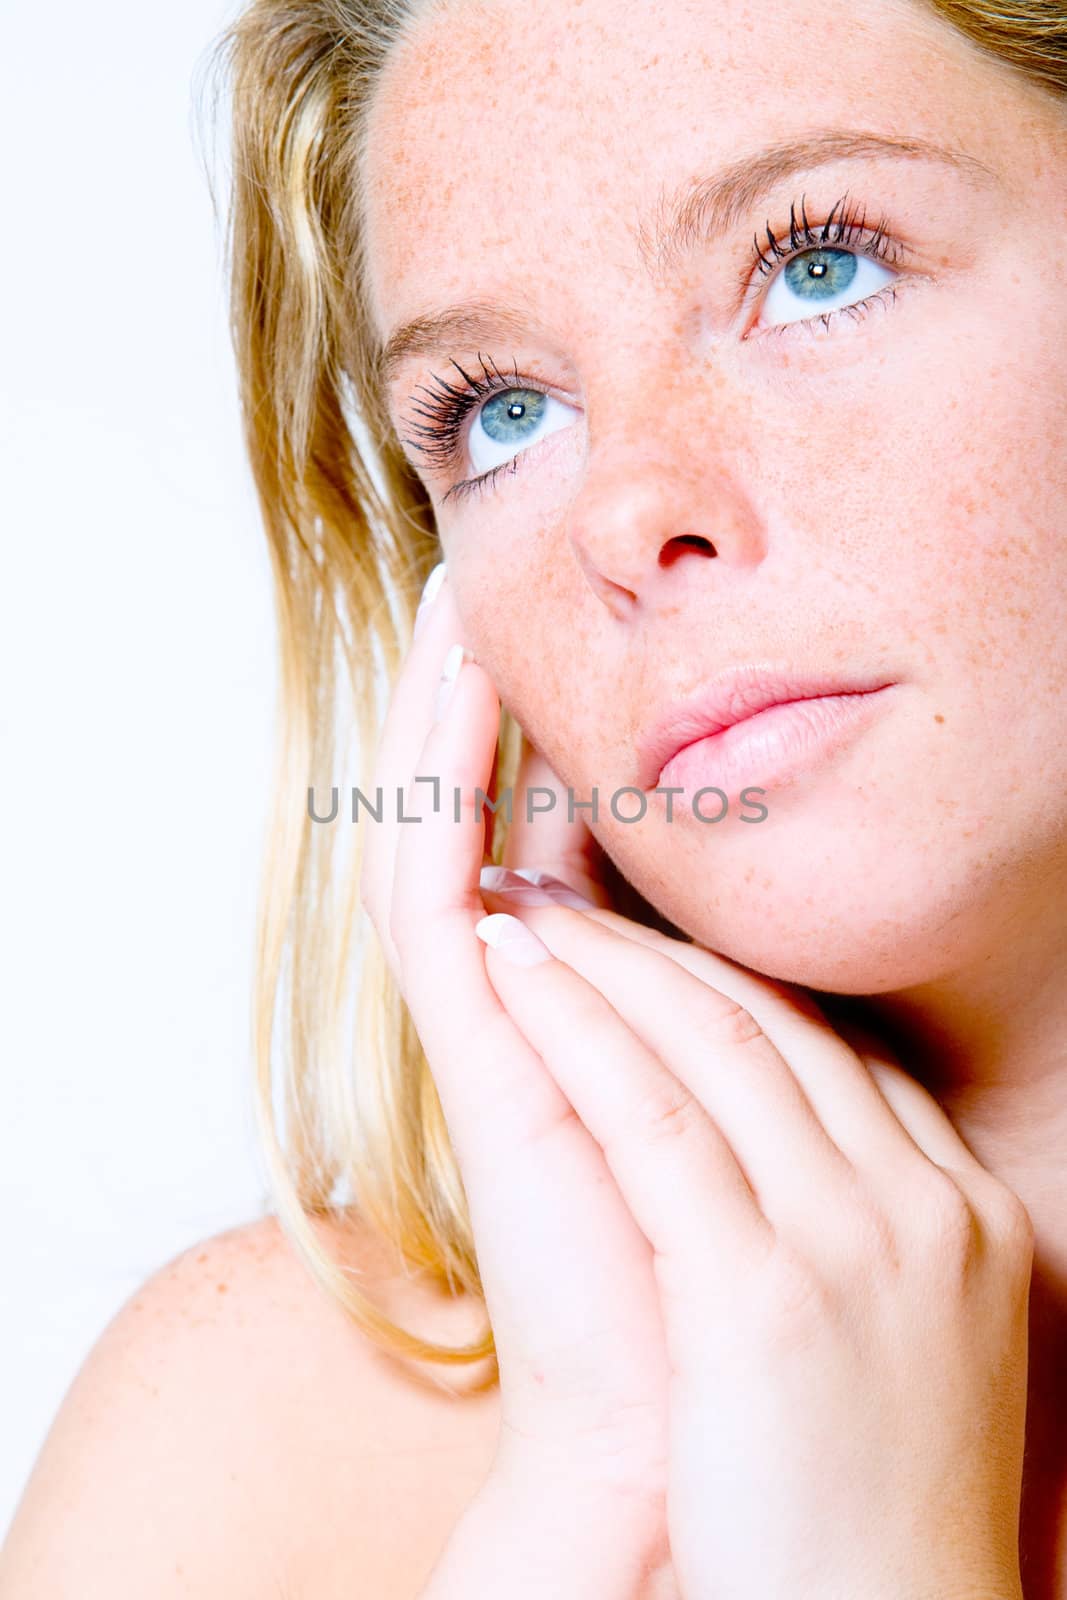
(512,147)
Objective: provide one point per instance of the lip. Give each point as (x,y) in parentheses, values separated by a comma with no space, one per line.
(734,697)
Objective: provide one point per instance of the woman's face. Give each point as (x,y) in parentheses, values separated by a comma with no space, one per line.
(859,471)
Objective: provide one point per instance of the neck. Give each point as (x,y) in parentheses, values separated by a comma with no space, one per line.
(990,1045)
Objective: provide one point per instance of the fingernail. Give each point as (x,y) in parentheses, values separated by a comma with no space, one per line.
(429,590)
(449,673)
(499,880)
(556,888)
(515,941)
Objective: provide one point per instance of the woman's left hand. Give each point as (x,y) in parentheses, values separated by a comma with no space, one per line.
(844,1287)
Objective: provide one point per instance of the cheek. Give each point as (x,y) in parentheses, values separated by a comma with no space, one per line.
(943,495)
(531,633)
(999,565)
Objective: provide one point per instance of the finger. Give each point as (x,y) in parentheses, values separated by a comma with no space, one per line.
(435,905)
(556,1241)
(882,1120)
(715,1047)
(411,708)
(927,1123)
(845,1095)
(547,833)
(656,1136)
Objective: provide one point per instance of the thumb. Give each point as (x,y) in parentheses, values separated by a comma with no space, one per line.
(545,836)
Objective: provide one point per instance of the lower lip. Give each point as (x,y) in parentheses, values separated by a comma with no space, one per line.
(773,745)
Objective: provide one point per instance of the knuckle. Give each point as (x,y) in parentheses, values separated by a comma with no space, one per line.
(669,1111)
(731,1023)
(795,1304)
(946,1224)
(549,1131)
(1011,1224)
(591,1023)
(872,1237)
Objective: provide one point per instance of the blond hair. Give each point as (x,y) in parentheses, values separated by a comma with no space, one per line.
(352,540)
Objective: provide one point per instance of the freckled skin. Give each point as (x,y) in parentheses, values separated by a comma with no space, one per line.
(889,496)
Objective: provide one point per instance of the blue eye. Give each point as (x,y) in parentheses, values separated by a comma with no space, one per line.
(510,421)
(822,281)
(822,278)
(509,418)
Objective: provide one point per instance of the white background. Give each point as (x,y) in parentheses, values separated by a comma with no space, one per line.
(137,692)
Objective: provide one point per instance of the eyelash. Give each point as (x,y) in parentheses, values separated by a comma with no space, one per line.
(449,408)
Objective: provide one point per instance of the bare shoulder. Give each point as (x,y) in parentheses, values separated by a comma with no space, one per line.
(232,1432)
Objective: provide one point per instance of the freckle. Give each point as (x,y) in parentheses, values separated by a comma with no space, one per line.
(222,1287)
(202,1258)
(938,717)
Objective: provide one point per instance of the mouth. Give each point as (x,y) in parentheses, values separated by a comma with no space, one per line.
(753,722)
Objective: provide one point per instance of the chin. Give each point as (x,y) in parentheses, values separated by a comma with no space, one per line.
(868,916)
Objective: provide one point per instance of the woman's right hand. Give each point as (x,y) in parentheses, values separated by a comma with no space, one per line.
(567,1274)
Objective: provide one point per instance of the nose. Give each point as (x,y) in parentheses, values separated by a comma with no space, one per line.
(663,491)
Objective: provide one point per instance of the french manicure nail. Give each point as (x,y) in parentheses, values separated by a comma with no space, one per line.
(449,672)
(556,888)
(429,590)
(516,942)
(496,877)
(498,880)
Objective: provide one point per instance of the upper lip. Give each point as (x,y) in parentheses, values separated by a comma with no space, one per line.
(732,696)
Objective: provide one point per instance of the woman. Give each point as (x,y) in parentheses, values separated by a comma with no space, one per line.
(716,355)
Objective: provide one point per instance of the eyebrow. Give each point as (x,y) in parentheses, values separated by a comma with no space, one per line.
(702,211)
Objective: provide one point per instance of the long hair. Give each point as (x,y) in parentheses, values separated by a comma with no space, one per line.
(347,1109)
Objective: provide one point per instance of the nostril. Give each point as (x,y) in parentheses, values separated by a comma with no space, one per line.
(685,541)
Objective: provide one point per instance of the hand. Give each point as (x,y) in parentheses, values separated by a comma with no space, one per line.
(567,1273)
(844,1287)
